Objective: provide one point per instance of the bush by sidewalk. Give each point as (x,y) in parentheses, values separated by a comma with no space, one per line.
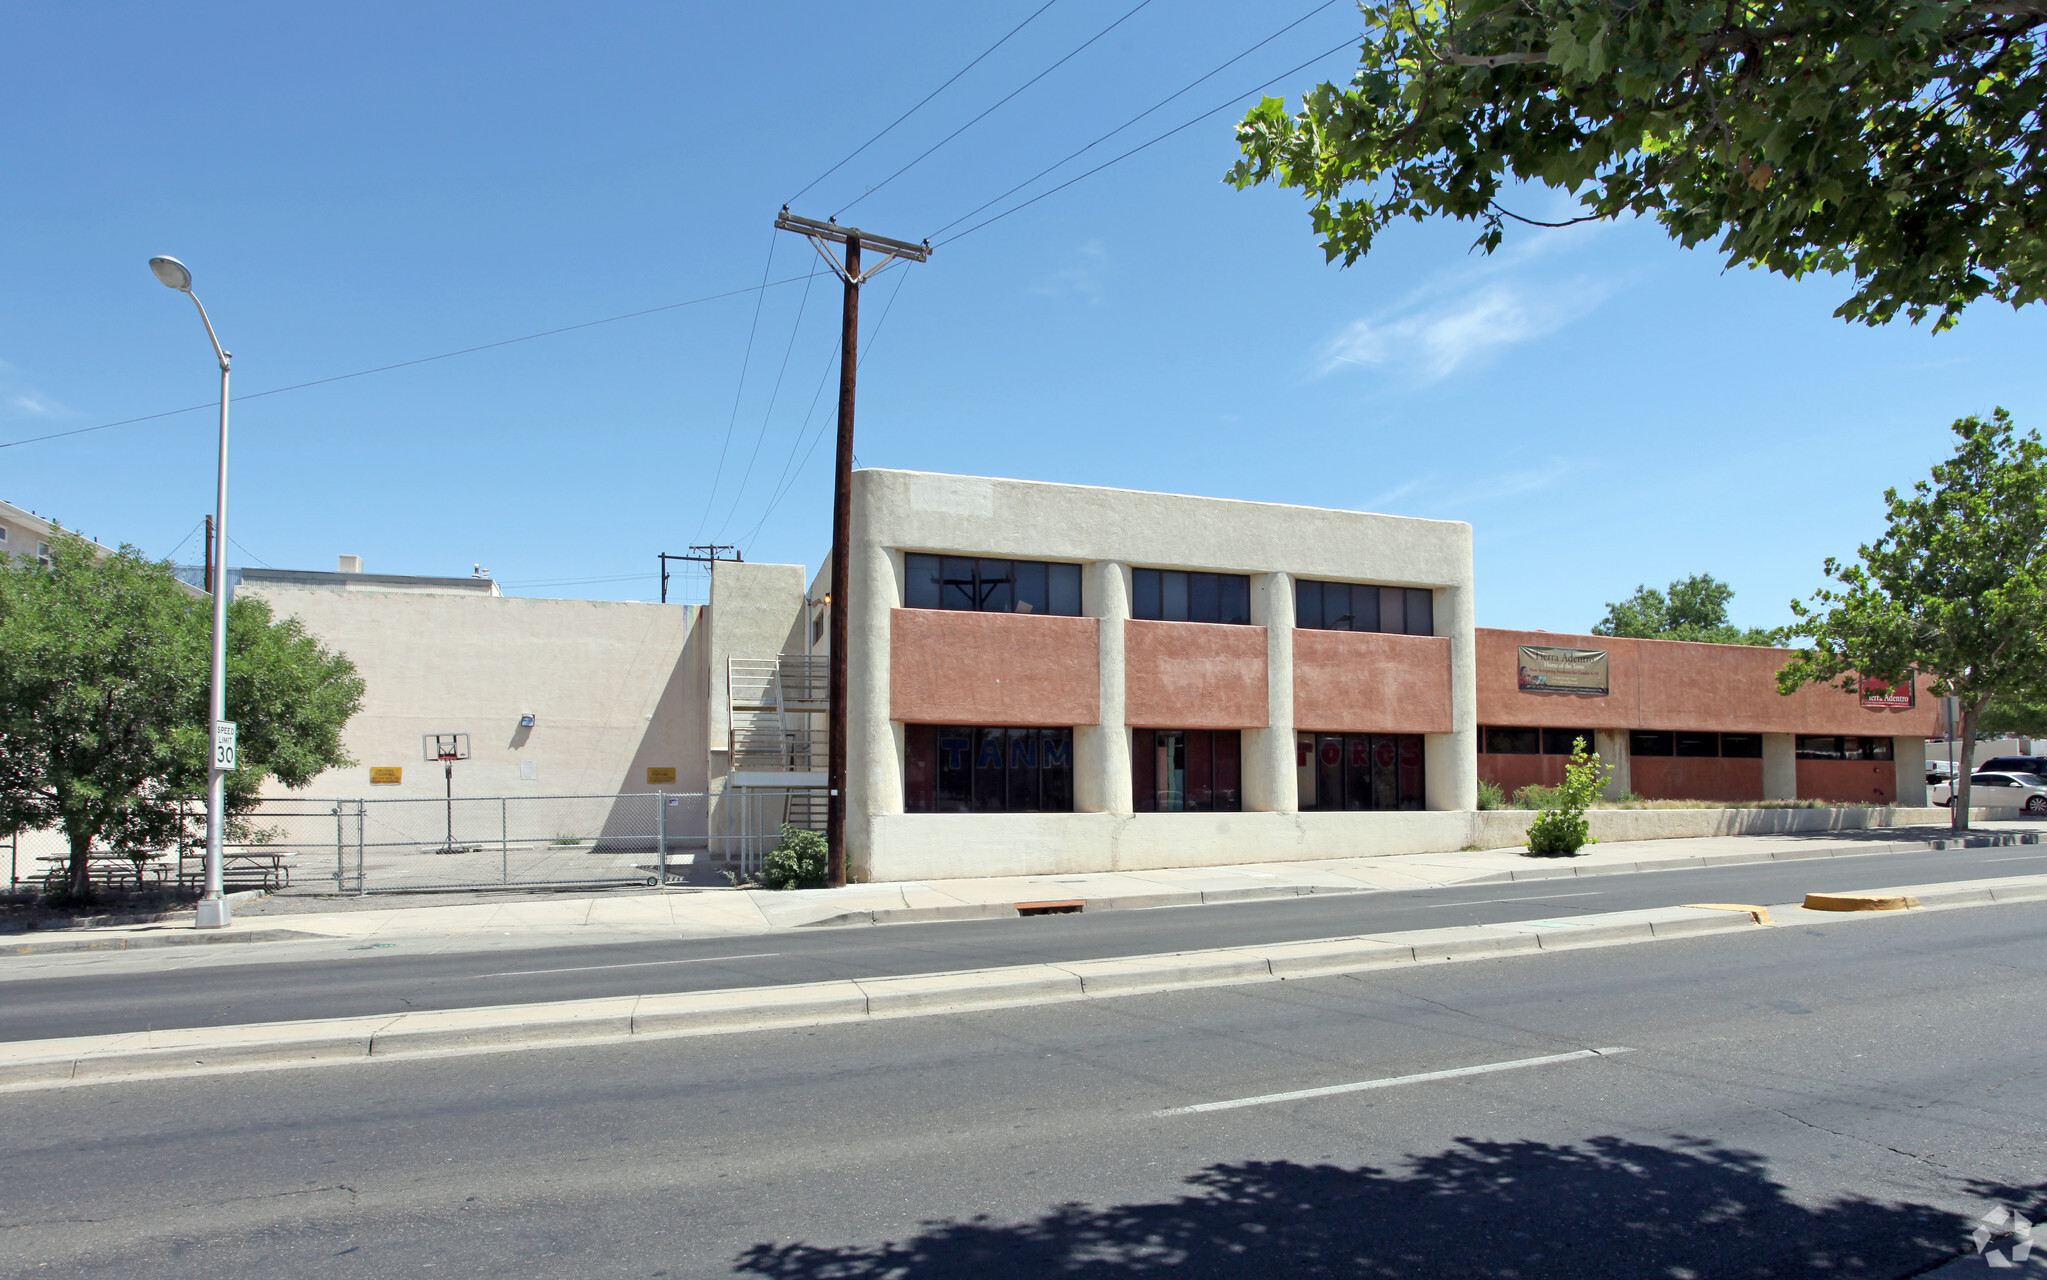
(798,862)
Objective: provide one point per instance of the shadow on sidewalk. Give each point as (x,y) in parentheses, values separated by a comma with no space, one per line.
(1511,1210)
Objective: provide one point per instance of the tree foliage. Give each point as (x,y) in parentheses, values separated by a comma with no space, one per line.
(1956,588)
(105,662)
(1693,608)
(1561,829)
(1895,140)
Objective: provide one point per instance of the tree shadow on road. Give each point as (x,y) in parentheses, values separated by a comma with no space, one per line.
(1512,1210)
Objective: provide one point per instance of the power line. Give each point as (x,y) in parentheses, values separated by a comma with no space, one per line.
(574,582)
(984,115)
(862,363)
(1153,142)
(1181,92)
(252,555)
(711,499)
(406,364)
(775,395)
(200,523)
(920,105)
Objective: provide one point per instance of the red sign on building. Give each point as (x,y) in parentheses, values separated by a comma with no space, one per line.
(1882,695)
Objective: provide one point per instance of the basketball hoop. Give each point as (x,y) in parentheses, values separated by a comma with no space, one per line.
(447,748)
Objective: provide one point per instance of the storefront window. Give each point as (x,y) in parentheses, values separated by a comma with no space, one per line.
(979,585)
(1356,771)
(957,769)
(1187,770)
(1845,748)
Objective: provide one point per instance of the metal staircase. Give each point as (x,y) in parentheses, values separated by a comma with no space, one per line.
(776,708)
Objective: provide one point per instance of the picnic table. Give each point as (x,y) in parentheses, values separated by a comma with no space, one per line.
(145,865)
(271,866)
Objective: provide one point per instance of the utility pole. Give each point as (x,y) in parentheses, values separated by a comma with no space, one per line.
(822,235)
(710,553)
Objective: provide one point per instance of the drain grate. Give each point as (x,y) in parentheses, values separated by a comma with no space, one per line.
(1064,906)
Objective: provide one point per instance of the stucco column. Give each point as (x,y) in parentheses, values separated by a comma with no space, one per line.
(1101,752)
(874,744)
(1611,745)
(1780,767)
(1908,757)
(1452,758)
(1269,782)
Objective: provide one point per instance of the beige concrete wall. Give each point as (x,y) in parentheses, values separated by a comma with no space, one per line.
(615,688)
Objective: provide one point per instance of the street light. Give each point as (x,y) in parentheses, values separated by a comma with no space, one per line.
(213,907)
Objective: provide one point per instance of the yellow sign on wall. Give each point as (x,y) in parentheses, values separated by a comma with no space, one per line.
(386,776)
(657,777)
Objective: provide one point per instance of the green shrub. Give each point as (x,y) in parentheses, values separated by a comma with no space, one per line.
(1561,829)
(798,862)
(1536,796)
(1490,796)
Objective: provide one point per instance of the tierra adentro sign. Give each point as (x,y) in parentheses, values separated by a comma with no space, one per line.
(1547,670)
(1882,695)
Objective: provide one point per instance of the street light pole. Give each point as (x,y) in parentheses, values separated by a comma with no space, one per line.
(214,912)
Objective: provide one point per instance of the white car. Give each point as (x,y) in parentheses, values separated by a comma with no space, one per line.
(2026,791)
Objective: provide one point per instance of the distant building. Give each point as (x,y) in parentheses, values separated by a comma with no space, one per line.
(26,535)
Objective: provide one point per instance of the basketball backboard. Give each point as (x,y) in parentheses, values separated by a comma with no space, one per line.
(447,746)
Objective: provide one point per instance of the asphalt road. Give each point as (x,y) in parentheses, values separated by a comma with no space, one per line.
(1832,1101)
(65,995)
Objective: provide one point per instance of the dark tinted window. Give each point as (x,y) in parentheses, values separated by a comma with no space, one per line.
(977,585)
(1648,742)
(1741,746)
(1512,742)
(1557,742)
(1392,609)
(955,769)
(1698,744)
(1360,771)
(1812,747)
(1337,613)
(1421,612)
(1307,605)
(1170,595)
(1186,770)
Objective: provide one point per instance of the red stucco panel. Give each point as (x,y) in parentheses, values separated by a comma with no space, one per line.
(1366,682)
(1854,781)
(1695,778)
(1194,675)
(993,668)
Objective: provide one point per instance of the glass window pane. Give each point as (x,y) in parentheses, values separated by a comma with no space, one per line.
(1031,594)
(955,769)
(1392,610)
(1204,597)
(1173,596)
(1236,606)
(1229,771)
(1512,742)
(1170,754)
(1063,589)
(1649,742)
(1741,746)
(1421,611)
(1308,606)
(1357,771)
(1876,749)
(1200,770)
(920,582)
(1329,770)
(1698,744)
(1023,771)
(1304,772)
(1144,772)
(1336,607)
(956,587)
(1055,766)
(998,594)
(1818,748)
(1144,594)
(1557,742)
(1413,777)
(991,753)
(920,767)
(1385,772)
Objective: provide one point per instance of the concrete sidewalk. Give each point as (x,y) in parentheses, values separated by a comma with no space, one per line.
(622,916)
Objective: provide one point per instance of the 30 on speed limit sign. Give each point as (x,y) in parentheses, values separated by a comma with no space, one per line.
(224,745)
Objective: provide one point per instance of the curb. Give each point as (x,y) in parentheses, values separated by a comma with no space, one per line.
(35,1064)
(185,937)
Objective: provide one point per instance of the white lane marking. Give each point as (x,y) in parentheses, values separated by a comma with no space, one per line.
(1389,1082)
(1540,897)
(637,964)
(2031,857)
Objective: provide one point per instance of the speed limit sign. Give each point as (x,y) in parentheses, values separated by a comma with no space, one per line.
(224,745)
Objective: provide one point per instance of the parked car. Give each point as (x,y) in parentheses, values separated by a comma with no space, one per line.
(2014,764)
(2026,791)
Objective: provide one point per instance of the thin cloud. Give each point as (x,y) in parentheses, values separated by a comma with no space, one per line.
(1429,340)
(1083,276)
(24,401)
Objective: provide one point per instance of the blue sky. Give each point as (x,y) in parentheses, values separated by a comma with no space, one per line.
(374,184)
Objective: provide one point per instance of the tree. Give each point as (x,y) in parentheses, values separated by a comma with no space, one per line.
(104,673)
(1956,588)
(1694,609)
(1897,140)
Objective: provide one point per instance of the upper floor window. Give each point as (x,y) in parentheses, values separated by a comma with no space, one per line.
(1355,606)
(980,585)
(1171,595)
(1811,747)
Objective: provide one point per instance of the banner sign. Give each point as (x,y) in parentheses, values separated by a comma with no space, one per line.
(1546,670)
(1882,695)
